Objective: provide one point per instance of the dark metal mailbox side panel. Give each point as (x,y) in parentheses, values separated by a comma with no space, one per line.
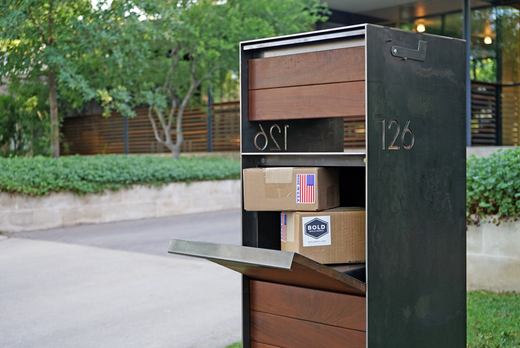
(416,239)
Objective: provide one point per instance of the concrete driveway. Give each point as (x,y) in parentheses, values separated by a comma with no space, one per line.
(73,294)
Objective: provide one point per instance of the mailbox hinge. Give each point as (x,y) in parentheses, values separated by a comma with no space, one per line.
(408,53)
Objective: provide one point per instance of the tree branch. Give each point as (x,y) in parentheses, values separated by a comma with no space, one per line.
(154,126)
(208,75)
(51,24)
(172,109)
(42,34)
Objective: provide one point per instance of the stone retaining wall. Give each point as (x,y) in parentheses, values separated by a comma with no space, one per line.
(21,213)
(494,257)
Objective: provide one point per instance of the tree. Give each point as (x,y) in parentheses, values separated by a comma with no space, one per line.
(74,48)
(194,39)
(24,120)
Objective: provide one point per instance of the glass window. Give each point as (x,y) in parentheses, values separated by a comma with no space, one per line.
(483,45)
(453,24)
(508,24)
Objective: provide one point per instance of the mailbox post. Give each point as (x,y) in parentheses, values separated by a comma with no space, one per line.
(409,88)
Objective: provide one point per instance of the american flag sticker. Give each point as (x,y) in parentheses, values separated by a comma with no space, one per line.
(283,230)
(305,188)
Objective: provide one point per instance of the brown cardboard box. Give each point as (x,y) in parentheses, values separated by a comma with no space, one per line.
(290,189)
(331,236)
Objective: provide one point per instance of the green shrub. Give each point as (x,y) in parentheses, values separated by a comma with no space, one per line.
(37,176)
(493,187)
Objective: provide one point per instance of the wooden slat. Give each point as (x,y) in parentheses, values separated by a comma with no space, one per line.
(332,100)
(287,332)
(332,66)
(262,345)
(318,306)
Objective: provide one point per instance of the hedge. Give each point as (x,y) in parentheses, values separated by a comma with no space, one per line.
(493,187)
(36,176)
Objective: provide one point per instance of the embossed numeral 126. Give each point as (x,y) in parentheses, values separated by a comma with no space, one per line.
(406,129)
(262,134)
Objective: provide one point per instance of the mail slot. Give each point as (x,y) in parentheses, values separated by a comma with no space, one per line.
(298,93)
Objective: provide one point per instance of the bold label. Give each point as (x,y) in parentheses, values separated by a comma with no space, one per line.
(316,231)
(305,188)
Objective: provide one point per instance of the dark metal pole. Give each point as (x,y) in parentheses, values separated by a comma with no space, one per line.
(498,104)
(467,36)
(210,123)
(126,135)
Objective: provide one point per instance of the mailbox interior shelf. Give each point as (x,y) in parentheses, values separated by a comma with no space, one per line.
(326,159)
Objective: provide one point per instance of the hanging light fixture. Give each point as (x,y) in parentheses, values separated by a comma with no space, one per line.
(421,28)
(487,34)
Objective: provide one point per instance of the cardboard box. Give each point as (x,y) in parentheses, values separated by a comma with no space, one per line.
(331,236)
(290,189)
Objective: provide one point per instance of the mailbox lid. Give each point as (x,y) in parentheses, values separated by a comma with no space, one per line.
(275,266)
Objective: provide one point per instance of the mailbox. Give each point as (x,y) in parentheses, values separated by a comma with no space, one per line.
(297,92)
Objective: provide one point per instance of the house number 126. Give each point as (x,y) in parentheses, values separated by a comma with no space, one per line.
(262,134)
(392,145)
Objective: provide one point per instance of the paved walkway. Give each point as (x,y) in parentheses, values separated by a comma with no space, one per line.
(61,294)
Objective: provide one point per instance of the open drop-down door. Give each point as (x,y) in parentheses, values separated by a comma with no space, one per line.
(281,267)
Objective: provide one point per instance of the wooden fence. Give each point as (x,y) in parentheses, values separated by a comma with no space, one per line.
(484,114)
(511,115)
(94,134)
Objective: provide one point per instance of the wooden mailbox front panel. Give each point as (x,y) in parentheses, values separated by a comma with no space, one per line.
(308,85)
(289,316)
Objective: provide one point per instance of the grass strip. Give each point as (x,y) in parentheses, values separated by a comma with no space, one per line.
(493,319)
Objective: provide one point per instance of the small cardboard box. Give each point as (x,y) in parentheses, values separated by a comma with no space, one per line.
(332,236)
(290,189)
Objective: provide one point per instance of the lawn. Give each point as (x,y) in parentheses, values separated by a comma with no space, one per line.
(493,320)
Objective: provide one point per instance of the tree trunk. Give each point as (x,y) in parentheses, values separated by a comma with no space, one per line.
(180,139)
(55,123)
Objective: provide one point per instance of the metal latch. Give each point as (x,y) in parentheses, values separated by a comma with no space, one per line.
(408,53)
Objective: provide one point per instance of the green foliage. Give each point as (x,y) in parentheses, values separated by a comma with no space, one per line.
(493,186)
(196,42)
(39,175)
(24,119)
(93,50)
(484,70)
(235,345)
(493,319)
(133,52)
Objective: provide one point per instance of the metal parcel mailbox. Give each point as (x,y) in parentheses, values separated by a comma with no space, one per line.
(408,89)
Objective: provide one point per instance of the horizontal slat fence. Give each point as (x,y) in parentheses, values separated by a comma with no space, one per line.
(94,134)
(511,115)
(354,128)
(484,127)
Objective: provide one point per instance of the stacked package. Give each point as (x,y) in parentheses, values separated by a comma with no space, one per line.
(311,223)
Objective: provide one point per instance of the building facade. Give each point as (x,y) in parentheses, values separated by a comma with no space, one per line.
(494,56)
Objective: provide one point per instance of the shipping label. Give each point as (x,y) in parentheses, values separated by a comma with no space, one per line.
(316,231)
